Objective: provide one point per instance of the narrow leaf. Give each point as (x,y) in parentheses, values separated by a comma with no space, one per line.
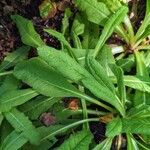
(23,125)
(13,141)
(104,145)
(78,141)
(14,57)
(15,98)
(114,128)
(109,27)
(96,12)
(28,34)
(36,72)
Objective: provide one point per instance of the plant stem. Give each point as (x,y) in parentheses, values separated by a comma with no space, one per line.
(144,47)
(68,127)
(93,112)
(6,73)
(116,49)
(85,114)
(94,101)
(130,30)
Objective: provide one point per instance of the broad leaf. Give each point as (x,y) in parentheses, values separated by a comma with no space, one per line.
(28,34)
(14,57)
(13,141)
(99,73)
(59,36)
(36,72)
(70,69)
(131,143)
(139,112)
(23,125)
(15,98)
(114,127)
(120,82)
(78,141)
(109,27)
(96,12)
(135,83)
(10,83)
(105,58)
(136,125)
(104,145)
(1,118)
(34,108)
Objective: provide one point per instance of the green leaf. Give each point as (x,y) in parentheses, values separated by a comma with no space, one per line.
(113,5)
(99,73)
(23,125)
(127,63)
(136,125)
(56,59)
(34,108)
(120,82)
(70,69)
(114,128)
(105,58)
(10,83)
(13,141)
(28,34)
(147,7)
(96,12)
(1,119)
(104,145)
(135,83)
(77,29)
(58,35)
(45,131)
(36,72)
(145,23)
(109,27)
(62,39)
(45,8)
(131,143)
(78,141)
(11,99)
(14,57)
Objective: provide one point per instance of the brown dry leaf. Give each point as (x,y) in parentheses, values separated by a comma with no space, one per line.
(73,104)
(106,118)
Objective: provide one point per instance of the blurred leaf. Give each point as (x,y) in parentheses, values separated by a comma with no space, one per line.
(109,27)
(13,141)
(46,8)
(135,83)
(139,112)
(131,143)
(96,12)
(1,119)
(22,124)
(14,98)
(34,108)
(104,145)
(114,127)
(120,82)
(78,141)
(28,34)
(14,57)
(99,73)
(10,83)
(136,125)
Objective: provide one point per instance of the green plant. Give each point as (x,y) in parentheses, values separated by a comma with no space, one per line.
(88,70)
